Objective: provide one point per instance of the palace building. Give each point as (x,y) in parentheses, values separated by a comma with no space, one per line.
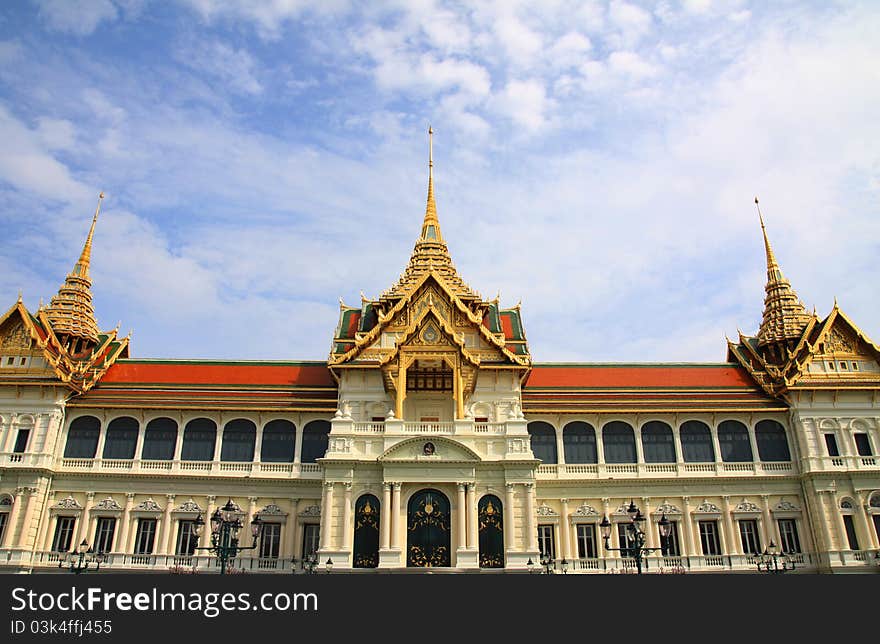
(430,438)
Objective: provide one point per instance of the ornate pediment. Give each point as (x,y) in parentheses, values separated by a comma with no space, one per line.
(667,508)
(545,510)
(786,506)
(189,506)
(107,504)
(149,505)
(69,503)
(586,511)
(746,506)
(706,507)
(429,449)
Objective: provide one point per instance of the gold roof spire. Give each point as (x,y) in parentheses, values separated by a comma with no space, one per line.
(784,314)
(71,312)
(430,252)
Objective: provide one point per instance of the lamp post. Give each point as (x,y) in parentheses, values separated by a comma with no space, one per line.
(329,565)
(769,561)
(309,563)
(80,559)
(635,535)
(547,562)
(225,526)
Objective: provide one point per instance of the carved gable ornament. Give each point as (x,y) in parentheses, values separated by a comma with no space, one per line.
(148,506)
(786,506)
(311,511)
(69,503)
(108,504)
(545,510)
(586,511)
(189,506)
(708,508)
(838,342)
(273,510)
(667,508)
(747,506)
(16,337)
(433,449)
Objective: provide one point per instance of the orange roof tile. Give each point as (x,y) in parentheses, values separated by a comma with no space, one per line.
(636,376)
(227,373)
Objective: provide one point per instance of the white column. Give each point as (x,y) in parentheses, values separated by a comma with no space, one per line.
(754,444)
(532,538)
(862,512)
(650,536)
(716,444)
(289,533)
(85,520)
(102,439)
(248,539)
(347,527)
(769,532)
(733,547)
(125,524)
(28,518)
(385,516)
(258,446)
(565,531)
(298,442)
(508,517)
(45,523)
(139,445)
(473,538)
(824,497)
(462,516)
(688,525)
(560,446)
(640,452)
(326,516)
(606,512)
(395,516)
(166,525)
(676,440)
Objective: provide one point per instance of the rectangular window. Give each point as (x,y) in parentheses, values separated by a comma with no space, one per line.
(788,534)
(270,541)
(831,445)
(4,517)
(104,534)
(748,534)
(146,534)
(851,536)
(546,543)
(21,441)
(63,534)
(623,540)
(863,445)
(709,538)
(671,548)
(186,539)
(311,534)
(875,517)
(586,540)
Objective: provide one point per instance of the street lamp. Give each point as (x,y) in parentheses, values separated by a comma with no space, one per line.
(635,535)
(329,565)
(309,563)
(225,526)
(547,562)
(768,561)
(530,566)
(80,559)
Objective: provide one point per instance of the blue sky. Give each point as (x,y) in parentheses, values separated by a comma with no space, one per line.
(596,161)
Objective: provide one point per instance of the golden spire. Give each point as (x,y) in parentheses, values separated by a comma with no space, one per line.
(430,252)
(70,312)
(784,316)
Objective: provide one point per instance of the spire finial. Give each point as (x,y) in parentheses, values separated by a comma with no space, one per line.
(86,256)
(771,258)
(430,147)
(19,296)
(431,226)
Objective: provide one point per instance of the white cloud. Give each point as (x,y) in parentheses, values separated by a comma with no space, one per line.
(525,102)
(78,18)
(56,134)
(234,67)
(269,16)
(569,50)
(630,64)
(632,22)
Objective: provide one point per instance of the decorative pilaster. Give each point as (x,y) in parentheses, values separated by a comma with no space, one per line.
(532,537)
(606,512)
(347,527)
(125,524)
(395,516)
(85,521)
(565,530)
(473,539)
(650,532)
(509,543)
(28,517)
(688,524)
(733,545)
(166,524)
(769,532)
(385,517)
(326,514)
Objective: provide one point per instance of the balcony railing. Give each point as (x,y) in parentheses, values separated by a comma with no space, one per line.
(837,463)
(661,470)
(195,468)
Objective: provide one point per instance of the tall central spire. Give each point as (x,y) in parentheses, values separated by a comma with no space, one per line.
(784,316)
(430,253)
(70,312)
(431,226)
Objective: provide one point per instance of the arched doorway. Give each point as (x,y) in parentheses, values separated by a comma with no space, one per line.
(366,532)
(427,530)
(491,522)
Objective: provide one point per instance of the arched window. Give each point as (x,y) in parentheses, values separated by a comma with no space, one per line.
(733,439)
(160,439)
(696,442)
(239,437)
(121,439)
(579,443)
(657,443)
(316,435)
(771,440)
(543,441)
(199,437)
(279,442)
(620,442)
(82,437)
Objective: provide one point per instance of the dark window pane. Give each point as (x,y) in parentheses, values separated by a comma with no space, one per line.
(279,442)
(620,443)
(63,534)
(543,441)
(82,439)
(21,441)
(850,532)
(121,439)
(238,441)
(579,443)
(316,435)
(863,445)
(198,440)
(696,442)
(831,444)
(160,439)
(771,440)
(104,534)
(733,439)
(657,443)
